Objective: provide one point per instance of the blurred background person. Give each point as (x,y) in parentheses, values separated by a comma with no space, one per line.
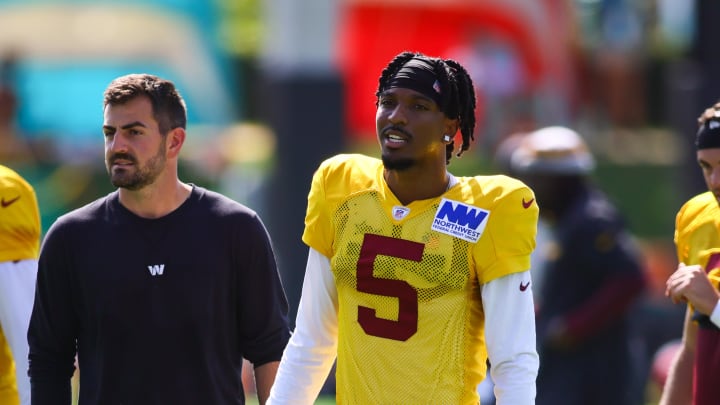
(13,147)
(17,149)
(19,247)
(592,275)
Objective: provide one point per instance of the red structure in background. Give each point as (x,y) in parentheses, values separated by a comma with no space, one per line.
(371,33)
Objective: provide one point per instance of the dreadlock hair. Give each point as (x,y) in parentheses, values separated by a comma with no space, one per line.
(169,108)
(457,99)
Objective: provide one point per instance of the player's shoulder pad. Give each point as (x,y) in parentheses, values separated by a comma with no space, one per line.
(501,188)
(699,205)
(349,169)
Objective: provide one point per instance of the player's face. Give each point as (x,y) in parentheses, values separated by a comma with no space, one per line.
(709,161)
(410,128)
(135,151)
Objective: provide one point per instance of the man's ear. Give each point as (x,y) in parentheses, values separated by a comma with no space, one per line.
(175,141)
(451,127)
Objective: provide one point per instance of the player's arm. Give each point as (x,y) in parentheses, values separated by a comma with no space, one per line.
(309,355)
(510,337)
(678,387)
(264,378)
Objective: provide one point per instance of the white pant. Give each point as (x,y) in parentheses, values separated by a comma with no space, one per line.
(17,294)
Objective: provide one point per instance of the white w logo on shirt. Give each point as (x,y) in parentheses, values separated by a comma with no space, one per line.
(156,269)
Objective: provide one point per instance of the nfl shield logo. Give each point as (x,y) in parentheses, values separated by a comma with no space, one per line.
(399,212)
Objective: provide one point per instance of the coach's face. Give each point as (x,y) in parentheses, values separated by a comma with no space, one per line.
(135,150)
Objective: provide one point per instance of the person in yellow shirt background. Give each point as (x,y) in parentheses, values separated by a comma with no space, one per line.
(20,234)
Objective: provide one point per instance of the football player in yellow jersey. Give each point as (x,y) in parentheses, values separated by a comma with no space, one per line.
(415,277)
(694,371)
(19,247)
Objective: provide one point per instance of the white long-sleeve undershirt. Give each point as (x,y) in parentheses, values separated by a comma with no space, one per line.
(715,315)
(312,348)
(17,293)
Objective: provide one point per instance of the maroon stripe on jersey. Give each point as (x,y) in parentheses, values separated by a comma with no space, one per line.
(706,389)
(713,262)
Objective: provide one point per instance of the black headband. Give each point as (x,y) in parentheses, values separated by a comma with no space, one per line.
(708,136)
(419,75)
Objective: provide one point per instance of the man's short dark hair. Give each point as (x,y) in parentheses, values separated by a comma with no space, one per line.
(168,106)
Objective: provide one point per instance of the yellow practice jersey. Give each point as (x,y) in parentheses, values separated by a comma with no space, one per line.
(697,234)
(8,386)
(411,322)
(19,218)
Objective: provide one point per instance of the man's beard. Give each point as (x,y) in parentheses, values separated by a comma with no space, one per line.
(143,176)
(399,164)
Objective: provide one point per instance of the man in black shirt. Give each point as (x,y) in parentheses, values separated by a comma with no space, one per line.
(160,288)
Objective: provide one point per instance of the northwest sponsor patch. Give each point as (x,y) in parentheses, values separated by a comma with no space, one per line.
(460,220)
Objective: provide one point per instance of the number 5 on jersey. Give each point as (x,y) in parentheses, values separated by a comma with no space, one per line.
(406,325)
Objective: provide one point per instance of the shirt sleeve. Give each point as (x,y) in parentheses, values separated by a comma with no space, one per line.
(510,337)
(715,315)
(312,349)
(261,301)
(52,332)
(512,227)
(318,234)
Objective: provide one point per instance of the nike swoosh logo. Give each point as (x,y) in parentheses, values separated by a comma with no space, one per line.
(524,287)
(527,204)
(8,202)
